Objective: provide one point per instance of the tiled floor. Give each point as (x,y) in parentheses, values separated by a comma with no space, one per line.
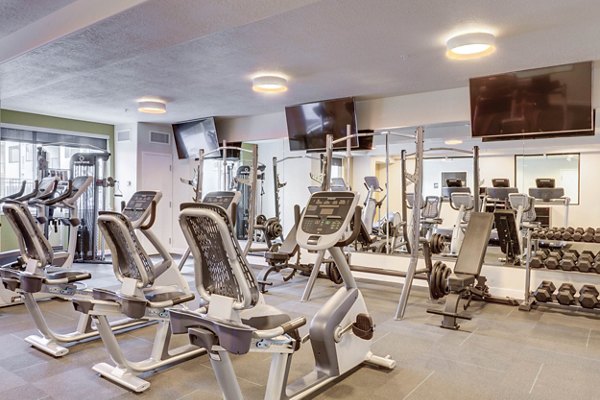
(503,353)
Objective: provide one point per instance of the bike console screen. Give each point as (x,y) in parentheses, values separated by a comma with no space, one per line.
(223,199)
(140,204)
(325,219)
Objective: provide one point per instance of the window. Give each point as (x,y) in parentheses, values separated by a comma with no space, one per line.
(13,154)
(437,170)
(563,168)
(29,150)
(18,155)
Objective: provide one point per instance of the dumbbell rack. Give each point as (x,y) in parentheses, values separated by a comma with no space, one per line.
(529,301)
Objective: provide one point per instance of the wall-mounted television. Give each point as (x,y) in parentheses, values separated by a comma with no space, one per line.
(308,124)
(541,102)
(191,136)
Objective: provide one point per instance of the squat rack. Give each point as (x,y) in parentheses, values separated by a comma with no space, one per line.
(416,178)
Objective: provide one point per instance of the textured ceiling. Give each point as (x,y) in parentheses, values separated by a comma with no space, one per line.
(15,14)
(199,54)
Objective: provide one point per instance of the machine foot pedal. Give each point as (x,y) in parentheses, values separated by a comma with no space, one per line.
(363,327)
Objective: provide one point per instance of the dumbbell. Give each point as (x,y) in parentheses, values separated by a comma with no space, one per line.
(541,234)
(544,292)
(597,236)
(588,235)
(588,296)
(566,294)
(537,260)
(596,264)
(580,230)
(570,229)
(553,259)
(585,262)
(577,237)
(566,235)
(568,262)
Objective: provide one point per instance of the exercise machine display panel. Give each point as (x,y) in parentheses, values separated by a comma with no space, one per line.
(325,219)
(223,199)
(140,205)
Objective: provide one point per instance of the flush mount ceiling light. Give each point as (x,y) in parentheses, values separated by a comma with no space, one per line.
(269,84)
(152,106)
(470,45)
(453,141)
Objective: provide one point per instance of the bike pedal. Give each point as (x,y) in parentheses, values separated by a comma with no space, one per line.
(363,328)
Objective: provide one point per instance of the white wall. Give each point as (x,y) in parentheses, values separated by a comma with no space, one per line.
(444,106)
(145,146)
(126,156)
(294,172)
(129,170)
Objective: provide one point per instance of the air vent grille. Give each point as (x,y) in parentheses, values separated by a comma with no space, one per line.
(159,137)
(123,136)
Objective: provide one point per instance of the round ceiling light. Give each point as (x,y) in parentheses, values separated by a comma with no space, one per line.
(269,84)
(470,45)
(152,106)
(453,141)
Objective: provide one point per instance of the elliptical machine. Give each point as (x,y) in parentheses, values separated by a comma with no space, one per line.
(237,320)
(371,204)
(464,204)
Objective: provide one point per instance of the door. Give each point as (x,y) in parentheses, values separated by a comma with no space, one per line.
(156,174)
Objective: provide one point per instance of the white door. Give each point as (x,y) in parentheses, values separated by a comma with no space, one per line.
(157,175)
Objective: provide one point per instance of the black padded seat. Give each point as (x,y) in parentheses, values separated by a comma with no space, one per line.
(363,236)
(70,276)
(264,317)
(458,282)
(174,297)
(276,256)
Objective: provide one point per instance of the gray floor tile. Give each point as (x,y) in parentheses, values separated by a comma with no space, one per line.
(502,353)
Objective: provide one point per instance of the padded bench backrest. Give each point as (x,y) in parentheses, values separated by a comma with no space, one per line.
(289,245)
(474,246)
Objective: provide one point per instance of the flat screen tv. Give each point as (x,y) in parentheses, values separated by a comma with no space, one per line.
(309,124)
(541,102)
(191,136)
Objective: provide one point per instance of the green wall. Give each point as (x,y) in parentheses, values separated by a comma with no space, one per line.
(46,121)
(7,239)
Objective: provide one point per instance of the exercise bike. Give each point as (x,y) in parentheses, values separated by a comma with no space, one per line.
(228,200)
(38,274)
(236,319)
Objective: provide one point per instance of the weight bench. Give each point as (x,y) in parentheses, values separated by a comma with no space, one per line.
(466,282)
(280,259)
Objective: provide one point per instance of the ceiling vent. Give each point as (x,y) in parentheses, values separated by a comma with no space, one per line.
(159,137)
(123,136)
